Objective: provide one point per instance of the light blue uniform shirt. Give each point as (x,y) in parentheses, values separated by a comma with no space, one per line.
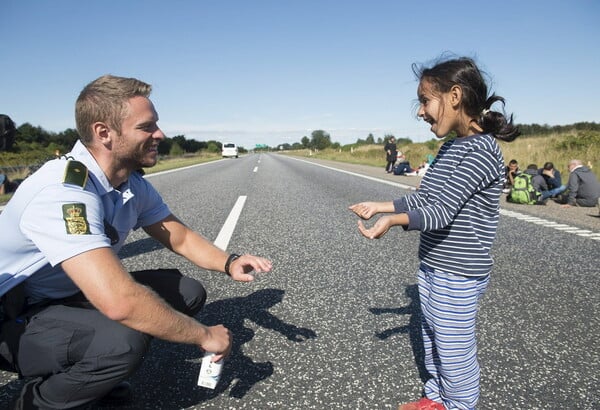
(37,237)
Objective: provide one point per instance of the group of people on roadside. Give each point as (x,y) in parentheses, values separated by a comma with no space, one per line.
(398,164)
(582,188)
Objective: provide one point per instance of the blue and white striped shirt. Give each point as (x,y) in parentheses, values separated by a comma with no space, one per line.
(457,205)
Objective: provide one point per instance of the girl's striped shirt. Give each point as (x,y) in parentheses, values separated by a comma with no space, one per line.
(457,206)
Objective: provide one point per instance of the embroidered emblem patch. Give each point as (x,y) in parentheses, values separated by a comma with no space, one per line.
(76,219)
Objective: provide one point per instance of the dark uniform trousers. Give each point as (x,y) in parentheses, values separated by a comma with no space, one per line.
(77,355)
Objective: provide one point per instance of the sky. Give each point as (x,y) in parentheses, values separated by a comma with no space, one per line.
(271,72)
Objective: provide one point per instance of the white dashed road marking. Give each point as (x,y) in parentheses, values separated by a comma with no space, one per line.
(227,230)
(550,224)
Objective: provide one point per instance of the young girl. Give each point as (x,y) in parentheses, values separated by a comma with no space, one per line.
(456,208)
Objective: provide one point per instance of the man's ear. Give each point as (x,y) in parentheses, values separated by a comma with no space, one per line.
(102,132)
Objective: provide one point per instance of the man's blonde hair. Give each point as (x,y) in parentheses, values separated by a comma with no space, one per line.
(105,100)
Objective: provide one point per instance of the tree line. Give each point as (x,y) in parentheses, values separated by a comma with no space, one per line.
(29,137)
(320,139)
(29,142)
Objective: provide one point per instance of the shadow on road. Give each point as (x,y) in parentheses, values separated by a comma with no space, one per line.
(139,247)
(413,328)
(167,378)
(239,370)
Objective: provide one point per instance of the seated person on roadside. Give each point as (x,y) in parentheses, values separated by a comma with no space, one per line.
(538,181)
(421,170)
(583,188)
(62,281)
(553,181)
(403,166)
(510,172)
(528,187)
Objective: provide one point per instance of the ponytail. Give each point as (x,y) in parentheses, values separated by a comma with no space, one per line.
(496,123)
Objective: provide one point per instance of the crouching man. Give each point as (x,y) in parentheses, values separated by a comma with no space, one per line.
(75,321)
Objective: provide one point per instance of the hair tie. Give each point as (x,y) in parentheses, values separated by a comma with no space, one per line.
(484,111)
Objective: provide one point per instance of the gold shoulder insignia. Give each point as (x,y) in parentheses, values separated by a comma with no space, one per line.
(75,174)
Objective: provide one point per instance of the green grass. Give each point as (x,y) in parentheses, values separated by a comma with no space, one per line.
(161,165)
(180,162)
(556,148)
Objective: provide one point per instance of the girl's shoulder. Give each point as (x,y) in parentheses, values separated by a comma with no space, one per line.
(478,141)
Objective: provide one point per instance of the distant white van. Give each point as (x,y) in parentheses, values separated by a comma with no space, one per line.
(230,150)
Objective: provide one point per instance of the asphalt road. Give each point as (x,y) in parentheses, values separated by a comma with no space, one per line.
(335,324)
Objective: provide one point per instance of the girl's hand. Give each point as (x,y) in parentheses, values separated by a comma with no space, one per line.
(364,210)
(380,228)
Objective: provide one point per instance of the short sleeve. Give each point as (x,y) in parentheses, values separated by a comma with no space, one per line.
(64,221)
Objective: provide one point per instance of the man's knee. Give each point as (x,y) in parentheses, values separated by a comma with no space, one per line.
(60,336)
(183,293)
(121,346)
(194,294)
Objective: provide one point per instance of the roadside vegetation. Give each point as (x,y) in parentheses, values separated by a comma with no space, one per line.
(558,148)
(29,147)
(164,164)
(538,144)
(168,163)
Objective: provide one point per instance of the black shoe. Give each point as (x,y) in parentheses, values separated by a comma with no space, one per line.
(119,395)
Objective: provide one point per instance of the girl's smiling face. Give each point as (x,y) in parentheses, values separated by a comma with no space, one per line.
(436,109)
(444,111)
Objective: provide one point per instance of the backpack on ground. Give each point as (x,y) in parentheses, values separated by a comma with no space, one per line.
(523,191)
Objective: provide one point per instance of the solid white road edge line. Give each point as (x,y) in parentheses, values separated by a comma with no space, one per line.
(383,181)
(505,212)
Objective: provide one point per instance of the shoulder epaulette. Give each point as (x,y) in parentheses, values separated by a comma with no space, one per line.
(75,173)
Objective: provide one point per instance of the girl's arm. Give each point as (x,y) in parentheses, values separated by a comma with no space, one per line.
(411,201)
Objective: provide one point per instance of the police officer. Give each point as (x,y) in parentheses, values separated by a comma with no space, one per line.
(75,321)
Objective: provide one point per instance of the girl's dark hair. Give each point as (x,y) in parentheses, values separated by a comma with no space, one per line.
(475,100)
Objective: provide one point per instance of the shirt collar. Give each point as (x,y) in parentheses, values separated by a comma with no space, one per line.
(81,153)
